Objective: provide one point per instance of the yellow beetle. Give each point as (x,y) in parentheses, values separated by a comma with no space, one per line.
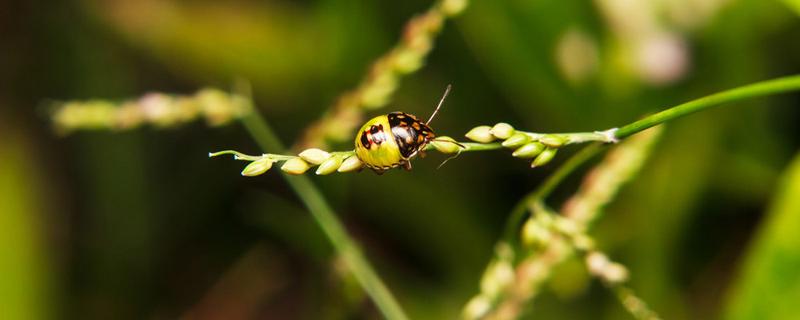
(393,139)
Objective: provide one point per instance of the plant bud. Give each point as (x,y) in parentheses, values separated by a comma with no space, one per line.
(314,155)
(596,262)
(257,167)
(477,307)
(544,157)
(615,273)
(295,166)
(534,234)
(503,130)
(498,276)
(352,163)
(553,141)
(407,61)
(482,134)
(445,145)
(453,7)
(529,150)
(330,165)
(516,140)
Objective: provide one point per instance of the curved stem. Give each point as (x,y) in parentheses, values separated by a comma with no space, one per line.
(544,189)
(779,85)
(330,224)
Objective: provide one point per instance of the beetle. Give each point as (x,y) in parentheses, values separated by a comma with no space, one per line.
(392,140)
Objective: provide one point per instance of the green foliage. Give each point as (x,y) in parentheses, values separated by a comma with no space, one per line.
(140,224)
(25,289)
(768,285)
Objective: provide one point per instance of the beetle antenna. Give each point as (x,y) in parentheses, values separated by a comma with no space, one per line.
(446,91)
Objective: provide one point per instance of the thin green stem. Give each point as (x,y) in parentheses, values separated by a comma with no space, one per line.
(544,189)
(468,147)
(768,87)
(472,146)
(574,137)
(246,157)
(330,224)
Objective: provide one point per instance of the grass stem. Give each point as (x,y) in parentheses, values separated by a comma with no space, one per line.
(330,224)
(758,89)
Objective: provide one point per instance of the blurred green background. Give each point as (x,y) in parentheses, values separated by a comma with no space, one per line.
(142,225)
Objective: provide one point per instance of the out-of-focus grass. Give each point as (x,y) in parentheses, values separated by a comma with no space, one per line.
(27,279)
(768,286)
(156,224)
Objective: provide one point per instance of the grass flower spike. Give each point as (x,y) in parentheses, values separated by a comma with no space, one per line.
(158,109)
(377,87)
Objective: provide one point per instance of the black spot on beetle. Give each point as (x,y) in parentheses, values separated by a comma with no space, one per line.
(365,140)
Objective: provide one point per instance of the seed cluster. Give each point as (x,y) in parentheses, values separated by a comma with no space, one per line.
(157,109)
(326,162)
(383,78)
(541,148)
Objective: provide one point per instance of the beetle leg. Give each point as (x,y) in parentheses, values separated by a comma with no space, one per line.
(407,165)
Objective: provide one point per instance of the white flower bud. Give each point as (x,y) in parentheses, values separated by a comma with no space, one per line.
(314,155)
(453,7)
(330,165)
(516,140)
(352,163)
(257,167)
(481,134)
(407,61)
(445,145)
(529,150)
(544,157)
(498,276)
(615,273)
(553,141)
(534,234)
(295,166)
(503,130)
(477,307)
(596,262)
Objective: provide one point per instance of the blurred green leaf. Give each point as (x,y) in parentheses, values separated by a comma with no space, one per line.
(769,286)
(23,268)
(794,4)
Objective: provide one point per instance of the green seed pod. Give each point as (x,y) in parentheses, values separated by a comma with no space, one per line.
(516,140)
(503,130)
(257,167)
(352,163)
(497,277)
(553,141)
(544,157)
(529,150)
(407,61)
(330,166)
(295,166)
(534,234)
(445,145)
(453,7)
(482,134)
(314,155)
(477,307)
(616,273)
